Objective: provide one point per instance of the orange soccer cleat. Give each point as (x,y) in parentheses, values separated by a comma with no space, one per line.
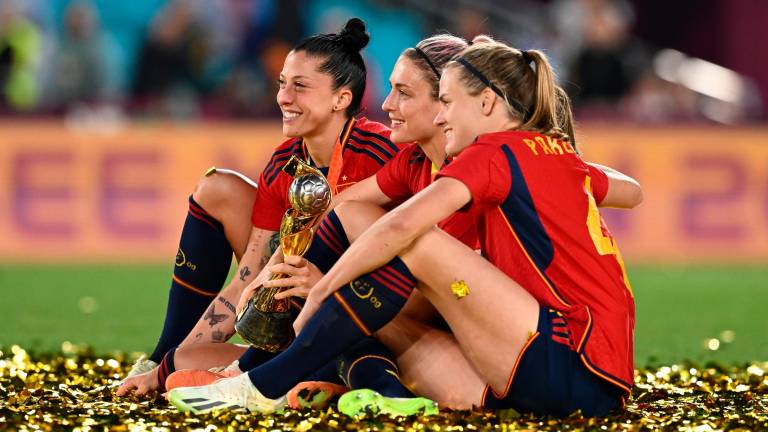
(314,394)
(195,378)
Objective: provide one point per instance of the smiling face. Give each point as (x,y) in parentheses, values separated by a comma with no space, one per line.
(410,105)
(461,116)
(306,96)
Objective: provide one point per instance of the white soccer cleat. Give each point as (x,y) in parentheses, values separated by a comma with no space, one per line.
(225,394)
(142,365)
(232,369)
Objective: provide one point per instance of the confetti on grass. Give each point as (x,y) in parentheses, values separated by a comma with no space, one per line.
(73,390)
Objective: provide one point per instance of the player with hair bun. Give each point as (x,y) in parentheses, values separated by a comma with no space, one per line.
(321,91)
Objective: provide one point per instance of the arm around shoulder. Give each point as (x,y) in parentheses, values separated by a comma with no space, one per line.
(623,191)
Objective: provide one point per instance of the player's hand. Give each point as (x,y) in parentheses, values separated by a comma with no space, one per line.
(245,297)
(139,384)
(315,298)
(301,276)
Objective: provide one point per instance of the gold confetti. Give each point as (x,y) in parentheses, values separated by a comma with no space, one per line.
(460,289)
(74,390)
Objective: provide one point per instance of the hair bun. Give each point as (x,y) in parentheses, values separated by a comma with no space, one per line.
(353,35)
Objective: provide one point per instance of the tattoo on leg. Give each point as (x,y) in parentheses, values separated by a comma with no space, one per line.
(226,303)
(213,316)
(198,336)
(244,273)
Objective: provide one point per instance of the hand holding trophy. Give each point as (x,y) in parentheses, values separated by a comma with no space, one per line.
(266,322)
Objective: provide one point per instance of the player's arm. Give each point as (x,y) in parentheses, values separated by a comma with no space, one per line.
(367,190)
(388,236)
(218,322)
(623,191)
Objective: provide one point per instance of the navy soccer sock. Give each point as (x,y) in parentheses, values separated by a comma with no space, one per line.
(352,313)
(329,243)
(166,367)
(202,265)
(253,358)
(371,365)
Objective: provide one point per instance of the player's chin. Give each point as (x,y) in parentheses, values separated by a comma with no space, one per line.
(451,146)
(291,131)
(401,135)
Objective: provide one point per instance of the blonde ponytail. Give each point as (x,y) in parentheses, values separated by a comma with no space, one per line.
(524,79)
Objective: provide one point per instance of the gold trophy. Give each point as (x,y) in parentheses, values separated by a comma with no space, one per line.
(265,322)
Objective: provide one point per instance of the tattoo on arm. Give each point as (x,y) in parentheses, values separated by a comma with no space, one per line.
(274,243)
(213,316)
(219,336)
(270,248)
(226,303)
(244,272)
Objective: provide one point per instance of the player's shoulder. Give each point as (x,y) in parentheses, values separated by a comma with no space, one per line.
(371,139)
(280,157)
(413,154)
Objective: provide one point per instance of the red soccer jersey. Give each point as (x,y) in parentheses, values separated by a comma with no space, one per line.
(536,207)
(367,148)
(408,173)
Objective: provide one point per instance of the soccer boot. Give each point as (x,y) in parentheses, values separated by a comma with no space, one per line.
(198,377)
(142,365)
(365,401)
(226,394)
(314,394)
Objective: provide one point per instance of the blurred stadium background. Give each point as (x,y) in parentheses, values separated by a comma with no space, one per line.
(109,111)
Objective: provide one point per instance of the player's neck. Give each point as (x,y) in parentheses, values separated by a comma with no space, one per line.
(320,144)
(434,148)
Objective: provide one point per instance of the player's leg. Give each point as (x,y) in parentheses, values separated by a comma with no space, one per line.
(492,323)
(447,378)
(217,224)
(189,365)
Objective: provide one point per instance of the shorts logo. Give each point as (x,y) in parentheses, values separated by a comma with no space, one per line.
(181,261)
(359,287)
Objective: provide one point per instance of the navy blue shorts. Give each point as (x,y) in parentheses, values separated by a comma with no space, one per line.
(551,379)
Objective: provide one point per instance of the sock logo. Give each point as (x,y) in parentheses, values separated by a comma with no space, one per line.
(358,286)
(181,261)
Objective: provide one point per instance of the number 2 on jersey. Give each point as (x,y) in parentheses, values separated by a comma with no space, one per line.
(604,242)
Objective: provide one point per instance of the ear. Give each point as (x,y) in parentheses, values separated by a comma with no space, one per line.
(487,101)
(342,99)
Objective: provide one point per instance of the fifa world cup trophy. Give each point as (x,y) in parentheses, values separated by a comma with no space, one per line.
(266,322)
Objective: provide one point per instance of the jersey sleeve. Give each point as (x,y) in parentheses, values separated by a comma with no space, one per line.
(479,167)
(393,177)
(269,205)
(599,183)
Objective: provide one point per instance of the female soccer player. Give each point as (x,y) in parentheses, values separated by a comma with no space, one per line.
(545,316)
(321,89)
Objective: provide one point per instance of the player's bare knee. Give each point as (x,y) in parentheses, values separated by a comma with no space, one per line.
(219,192)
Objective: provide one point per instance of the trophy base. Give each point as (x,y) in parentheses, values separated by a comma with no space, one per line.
(268,331)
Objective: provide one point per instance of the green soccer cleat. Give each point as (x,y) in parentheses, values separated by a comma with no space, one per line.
(357,403)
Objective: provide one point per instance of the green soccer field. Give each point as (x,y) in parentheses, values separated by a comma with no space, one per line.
(698,313)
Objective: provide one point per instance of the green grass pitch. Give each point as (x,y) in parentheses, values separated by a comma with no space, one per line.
(679,309)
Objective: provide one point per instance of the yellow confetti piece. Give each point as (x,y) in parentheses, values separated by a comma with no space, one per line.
(460,289)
